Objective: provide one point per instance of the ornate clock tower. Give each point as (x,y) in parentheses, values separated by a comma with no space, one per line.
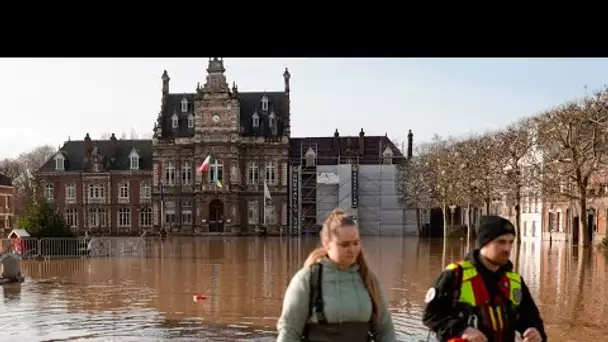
(216,106)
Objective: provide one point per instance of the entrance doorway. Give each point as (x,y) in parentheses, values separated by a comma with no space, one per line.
(575,227)
(216,216)
(591,223)
(436,222)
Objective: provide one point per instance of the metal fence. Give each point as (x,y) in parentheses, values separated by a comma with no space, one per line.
(80,247)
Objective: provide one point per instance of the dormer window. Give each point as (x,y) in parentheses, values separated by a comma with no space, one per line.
(310,157)
(264,103)
(256,120)
(59,162)
(184,105)
(190,121)
(134,160)
(272,123)
(174,121)
(387,156)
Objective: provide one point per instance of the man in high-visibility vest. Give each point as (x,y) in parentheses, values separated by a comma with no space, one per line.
(481,298)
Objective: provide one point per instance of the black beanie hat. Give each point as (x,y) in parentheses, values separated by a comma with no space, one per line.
(491,227)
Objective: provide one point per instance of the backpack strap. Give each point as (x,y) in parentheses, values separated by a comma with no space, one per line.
(316,293)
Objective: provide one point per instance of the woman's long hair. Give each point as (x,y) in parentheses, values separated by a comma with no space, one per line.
(336,220)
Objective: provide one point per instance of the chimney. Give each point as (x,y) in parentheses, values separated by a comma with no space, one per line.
(113,146)
(286,77)
(410,144)
(287,128)
(166,80)
(337,141)
(88,148)
(361,142)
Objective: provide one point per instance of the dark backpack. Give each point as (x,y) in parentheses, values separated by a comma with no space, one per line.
(315,301)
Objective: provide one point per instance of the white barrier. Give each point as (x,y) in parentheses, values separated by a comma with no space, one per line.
(79,247)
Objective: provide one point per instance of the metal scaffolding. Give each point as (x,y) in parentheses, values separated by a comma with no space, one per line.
(367,190)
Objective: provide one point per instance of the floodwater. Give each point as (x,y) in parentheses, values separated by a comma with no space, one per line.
(149,298)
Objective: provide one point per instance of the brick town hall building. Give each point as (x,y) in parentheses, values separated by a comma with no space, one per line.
(247,136)
(123,186)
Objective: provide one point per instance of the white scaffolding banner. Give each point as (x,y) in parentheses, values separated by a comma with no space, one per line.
(327,178)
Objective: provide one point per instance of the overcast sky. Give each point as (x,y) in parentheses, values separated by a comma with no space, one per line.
(46,101)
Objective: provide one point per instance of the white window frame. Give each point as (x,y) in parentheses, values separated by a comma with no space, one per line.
(49,192)
(174,121)
(96,217)
(123,190)
(71,217)
(124,217)
(145,217)
(186,212)
(169,173)
(59,163)
(70,192)
(96,191)
(270,172)
(264,103)
(216,167)
(190,121)
(253,212)
(134,162)
(145,190)
(184,104)
(253,173)
(187,173)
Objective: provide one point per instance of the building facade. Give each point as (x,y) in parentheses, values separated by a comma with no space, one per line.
(246,134)
(357,174)
(561,217)
(101,186)
(7,208)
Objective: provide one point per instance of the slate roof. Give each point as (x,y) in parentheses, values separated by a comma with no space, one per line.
(5,180)
(74,151)
(250,102)
(327,149)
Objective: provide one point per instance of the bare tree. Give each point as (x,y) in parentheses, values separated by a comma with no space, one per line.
(413,184)
(22,170)
(573,140)
(517,144)
(441,173)
(485,165)
(468,178)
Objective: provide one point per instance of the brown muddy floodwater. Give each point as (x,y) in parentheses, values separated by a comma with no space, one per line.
(149,298)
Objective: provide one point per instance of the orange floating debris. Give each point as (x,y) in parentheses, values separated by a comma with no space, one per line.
(197,298)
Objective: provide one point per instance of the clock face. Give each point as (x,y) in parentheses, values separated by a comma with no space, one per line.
(215,117)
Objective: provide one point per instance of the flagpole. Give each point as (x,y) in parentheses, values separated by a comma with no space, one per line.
(162,206)
(264,201)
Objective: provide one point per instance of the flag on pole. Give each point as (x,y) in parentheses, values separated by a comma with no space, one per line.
(266,192)
(216,181)
(266,197)
(162,205)
(205,165)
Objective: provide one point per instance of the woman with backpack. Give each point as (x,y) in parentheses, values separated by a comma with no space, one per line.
(335,296)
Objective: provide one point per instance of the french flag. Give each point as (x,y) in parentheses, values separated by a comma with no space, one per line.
(205,165)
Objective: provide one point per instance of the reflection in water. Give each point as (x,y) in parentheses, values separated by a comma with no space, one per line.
(150,298)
